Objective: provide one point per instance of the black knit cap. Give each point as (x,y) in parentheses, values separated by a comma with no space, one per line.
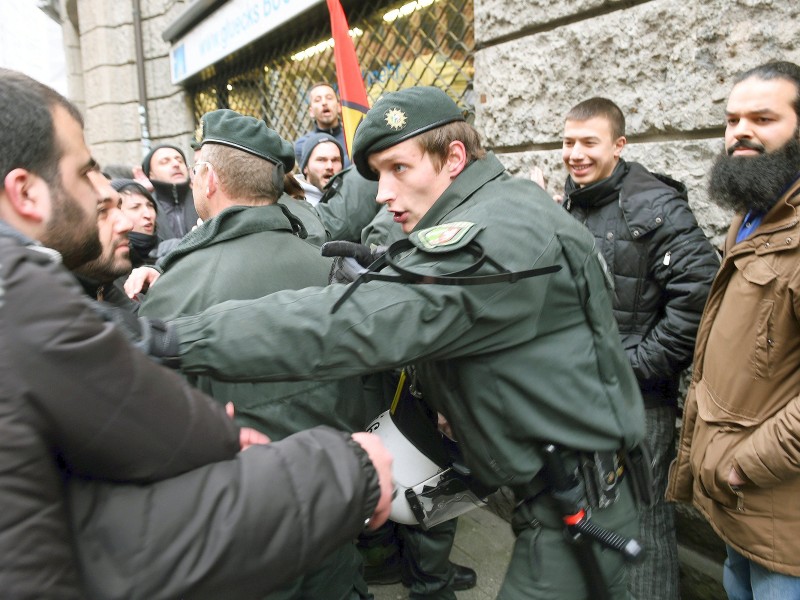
(149,156)
(315,140)
(252,135)
(399,116)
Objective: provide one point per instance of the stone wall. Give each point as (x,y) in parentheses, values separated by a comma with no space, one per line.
(108,85)
(669,66)
(667,63)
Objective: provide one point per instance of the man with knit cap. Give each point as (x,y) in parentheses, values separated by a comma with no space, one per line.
(502,303)
(165,167)
(322,158)
(250,245)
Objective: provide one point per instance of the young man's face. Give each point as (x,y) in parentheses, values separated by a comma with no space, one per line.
(167,165)
(140,211)
(409,182)
(759,116)
(324,108)
(113,227)
(71,227)
(325,161)
(589,150)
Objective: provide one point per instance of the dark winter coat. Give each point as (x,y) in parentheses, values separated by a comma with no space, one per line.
(76,399)
(176,214)
(662,266)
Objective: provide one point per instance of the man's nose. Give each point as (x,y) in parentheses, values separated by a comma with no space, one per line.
(122,223)
(577,152)
(742,129)
(385,193)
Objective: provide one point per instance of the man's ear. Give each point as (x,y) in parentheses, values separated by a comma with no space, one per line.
(619,144)
(28,195)
(456,158)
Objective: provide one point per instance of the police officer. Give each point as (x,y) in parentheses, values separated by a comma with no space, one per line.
(513,361)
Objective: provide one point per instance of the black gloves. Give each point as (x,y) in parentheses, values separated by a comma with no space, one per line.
(350,260)
(154,337)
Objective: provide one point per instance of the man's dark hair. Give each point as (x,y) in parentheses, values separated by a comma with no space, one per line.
(599,107)
(27,133)
(320,84)
(780,69)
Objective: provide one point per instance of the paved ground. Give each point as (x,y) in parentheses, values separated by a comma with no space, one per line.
(483,542)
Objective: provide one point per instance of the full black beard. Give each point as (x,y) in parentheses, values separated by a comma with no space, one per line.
(754,183)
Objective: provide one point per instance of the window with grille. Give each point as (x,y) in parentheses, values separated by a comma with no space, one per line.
(399,45)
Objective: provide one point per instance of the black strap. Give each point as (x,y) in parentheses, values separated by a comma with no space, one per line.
(461,277)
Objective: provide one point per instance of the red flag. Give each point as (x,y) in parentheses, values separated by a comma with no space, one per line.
(352,93)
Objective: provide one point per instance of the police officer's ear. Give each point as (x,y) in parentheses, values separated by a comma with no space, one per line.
(456,160)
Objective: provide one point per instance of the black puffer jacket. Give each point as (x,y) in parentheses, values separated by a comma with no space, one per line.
(662,266)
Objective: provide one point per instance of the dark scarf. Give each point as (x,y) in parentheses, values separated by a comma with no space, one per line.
(598,193)
(141,246)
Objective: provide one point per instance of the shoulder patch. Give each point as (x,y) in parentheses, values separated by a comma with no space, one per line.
(445,237)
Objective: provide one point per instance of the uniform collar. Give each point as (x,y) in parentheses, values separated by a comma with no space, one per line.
(474,176)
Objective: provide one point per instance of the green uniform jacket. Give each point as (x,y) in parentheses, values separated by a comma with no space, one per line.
(348,205)
(509,365)
(314,229)
(249,252)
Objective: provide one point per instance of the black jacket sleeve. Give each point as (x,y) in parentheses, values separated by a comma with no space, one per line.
(684,264)
(235,529)
(106,409)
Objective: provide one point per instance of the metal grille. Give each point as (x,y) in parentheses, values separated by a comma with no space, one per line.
(399,45)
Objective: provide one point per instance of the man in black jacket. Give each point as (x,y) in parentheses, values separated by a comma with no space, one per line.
(165,167)
(662,266)
(79,403)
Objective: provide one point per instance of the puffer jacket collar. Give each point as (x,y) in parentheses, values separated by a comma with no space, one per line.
(641,198)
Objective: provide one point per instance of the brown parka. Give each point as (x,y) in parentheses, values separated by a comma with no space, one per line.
(743,405)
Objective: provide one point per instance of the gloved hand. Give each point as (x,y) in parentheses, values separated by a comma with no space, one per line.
(350,260)
(154,337)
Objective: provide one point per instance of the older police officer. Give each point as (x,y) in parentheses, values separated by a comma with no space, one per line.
(513,362)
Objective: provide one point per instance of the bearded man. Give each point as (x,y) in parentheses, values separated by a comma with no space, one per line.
(739,454)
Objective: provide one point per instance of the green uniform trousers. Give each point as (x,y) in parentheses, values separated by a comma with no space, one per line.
(545,566)
(426,560)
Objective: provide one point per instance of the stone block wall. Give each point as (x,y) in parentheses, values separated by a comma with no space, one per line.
(668,64)
(102,54)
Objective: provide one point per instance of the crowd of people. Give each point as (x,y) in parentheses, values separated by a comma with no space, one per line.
(277,298)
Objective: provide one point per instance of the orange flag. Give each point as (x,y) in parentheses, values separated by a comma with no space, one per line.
(352,93)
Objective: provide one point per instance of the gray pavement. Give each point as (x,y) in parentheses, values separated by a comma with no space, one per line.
(483,542)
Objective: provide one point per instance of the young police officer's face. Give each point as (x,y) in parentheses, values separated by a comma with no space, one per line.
(589,150)
(409,182)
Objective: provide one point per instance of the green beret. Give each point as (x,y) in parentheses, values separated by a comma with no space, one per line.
(399,116)
(252,135)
